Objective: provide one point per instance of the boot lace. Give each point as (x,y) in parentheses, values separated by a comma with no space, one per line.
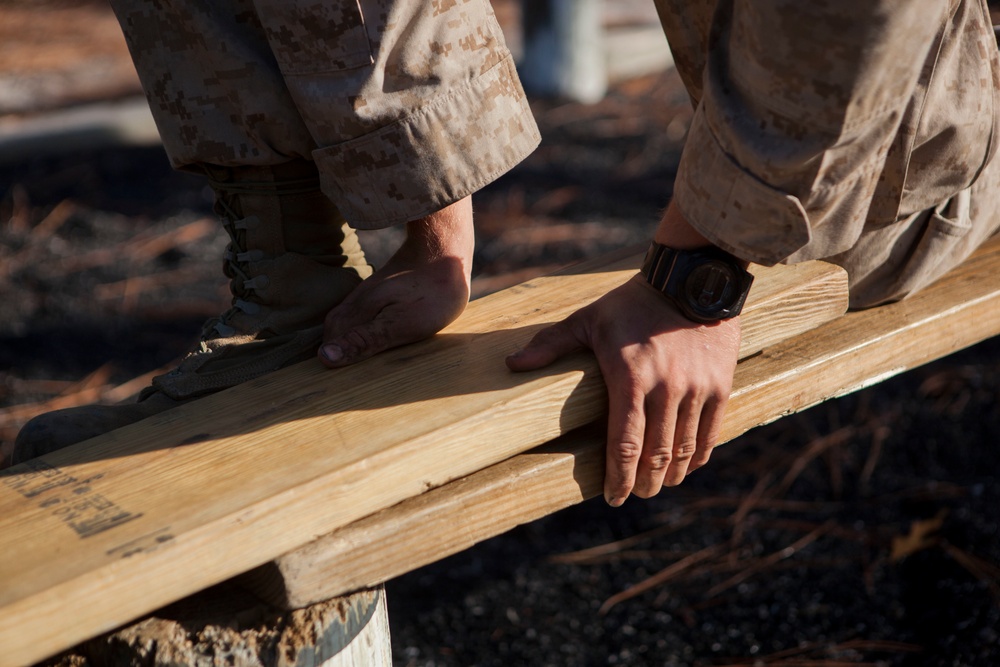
(237,257)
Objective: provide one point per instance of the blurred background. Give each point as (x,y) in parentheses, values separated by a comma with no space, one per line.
(864,531)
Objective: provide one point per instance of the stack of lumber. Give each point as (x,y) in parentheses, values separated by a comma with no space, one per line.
(331,476)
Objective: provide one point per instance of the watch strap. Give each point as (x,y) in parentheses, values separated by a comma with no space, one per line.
(666,269)
(658,264)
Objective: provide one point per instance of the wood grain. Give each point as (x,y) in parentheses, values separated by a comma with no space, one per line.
(458,515)
(98,534)
(852,352)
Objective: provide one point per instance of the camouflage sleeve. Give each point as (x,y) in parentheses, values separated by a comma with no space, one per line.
(809,116)
(434,112)
(405,105)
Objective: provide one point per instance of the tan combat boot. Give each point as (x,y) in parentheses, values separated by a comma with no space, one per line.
(291,258)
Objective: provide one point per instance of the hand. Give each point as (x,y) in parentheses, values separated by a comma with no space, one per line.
(421,289)
(668,383)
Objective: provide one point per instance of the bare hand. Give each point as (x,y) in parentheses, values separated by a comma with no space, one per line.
(668,383)
(421,289)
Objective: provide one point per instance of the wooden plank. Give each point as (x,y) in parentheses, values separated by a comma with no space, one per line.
(98,534)
(459,514)
(852,352)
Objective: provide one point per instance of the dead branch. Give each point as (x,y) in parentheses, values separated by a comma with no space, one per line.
(660,577)
(738,519)
(815,448)
(987,573)
(762,564)
(604,550)
(51,223)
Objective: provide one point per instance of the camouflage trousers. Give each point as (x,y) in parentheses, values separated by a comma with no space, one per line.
(858,131)
(405,106)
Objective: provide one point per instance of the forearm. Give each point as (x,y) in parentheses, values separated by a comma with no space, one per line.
(674,231)
(445,234)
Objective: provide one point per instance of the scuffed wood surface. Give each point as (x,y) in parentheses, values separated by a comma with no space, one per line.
(844,355)
(98,534)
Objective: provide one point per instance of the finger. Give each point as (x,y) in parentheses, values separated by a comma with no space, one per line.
(709,431)
(358,307)
(657,450)
(626,426)
(545,347)
(358,343)
(685,443)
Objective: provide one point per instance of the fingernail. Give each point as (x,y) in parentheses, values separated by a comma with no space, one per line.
(332,353)
(614,502)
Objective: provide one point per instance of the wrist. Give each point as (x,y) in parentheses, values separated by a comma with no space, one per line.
(705,283)
(674,231)
(447,233)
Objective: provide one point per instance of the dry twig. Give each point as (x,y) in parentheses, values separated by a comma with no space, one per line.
(738,519)
(51,223)
(604,550)
(660,577)
(985,571)
(798,656)
(92,389)
(759,565)
(816,448)
(879,435)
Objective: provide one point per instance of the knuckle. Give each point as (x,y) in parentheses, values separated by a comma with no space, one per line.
(634,389)
(658,459)
(554,336)
(548,336)
(627,451)
(378,337)
(356,339)
(364,339)
(685,449)
(701,391)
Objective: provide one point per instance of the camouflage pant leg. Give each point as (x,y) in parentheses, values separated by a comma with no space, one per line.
(932,233)
(892,262)
(405,106)
(214,88)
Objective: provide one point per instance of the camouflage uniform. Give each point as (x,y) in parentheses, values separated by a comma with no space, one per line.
(394,109)
(405,106)
(860,131)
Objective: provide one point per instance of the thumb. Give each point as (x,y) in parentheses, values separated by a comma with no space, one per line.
(547,346)
(357,344)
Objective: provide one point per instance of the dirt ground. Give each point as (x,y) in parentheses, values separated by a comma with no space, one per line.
(865,531)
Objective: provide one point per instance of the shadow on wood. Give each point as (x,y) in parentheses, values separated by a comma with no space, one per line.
(125,523)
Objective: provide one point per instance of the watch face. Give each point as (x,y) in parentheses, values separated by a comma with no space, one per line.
(711,289)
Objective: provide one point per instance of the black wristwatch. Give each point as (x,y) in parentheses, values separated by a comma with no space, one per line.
(707,284)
